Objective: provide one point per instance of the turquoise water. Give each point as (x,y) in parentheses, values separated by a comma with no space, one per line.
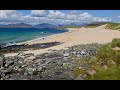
(24,34)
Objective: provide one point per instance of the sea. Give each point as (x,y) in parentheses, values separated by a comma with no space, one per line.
(19,35)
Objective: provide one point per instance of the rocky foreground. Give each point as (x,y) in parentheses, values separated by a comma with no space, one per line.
(56,65)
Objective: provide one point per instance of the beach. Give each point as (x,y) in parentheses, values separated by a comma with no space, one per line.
(75,36)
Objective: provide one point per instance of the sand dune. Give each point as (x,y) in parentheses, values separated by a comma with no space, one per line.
(76,36)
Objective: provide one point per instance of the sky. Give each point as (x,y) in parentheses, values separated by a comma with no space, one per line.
(58,16)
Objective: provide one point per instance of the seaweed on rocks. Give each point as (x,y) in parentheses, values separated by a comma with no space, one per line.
(26,47)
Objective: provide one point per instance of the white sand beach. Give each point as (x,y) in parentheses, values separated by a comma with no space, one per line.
(76,36)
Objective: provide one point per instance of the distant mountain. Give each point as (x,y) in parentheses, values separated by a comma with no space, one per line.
(18,25)
(45,25)
(75,24)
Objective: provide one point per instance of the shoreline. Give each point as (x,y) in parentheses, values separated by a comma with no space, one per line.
(74,36)
(45,37)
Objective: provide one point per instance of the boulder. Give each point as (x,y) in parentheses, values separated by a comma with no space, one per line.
(90,72)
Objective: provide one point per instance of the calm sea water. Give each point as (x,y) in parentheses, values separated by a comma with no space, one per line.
(24,34)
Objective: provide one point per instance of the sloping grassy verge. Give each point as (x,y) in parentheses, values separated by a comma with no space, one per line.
(106,63)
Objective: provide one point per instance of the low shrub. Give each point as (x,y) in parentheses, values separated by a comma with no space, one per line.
(115,43)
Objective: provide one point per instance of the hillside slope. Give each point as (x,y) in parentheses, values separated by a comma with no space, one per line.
(113,26)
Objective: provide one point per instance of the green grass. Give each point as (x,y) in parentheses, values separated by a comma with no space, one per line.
(113,26)
(106,54)
(106,63)
(77,72)
(115,43)
(72,27)
(107,74)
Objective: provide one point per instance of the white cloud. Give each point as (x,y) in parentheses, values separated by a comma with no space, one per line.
(72,17)
(118,16)
(56,14)
(39,13)
(9,15)
(48,16)
(85,15)
(100,19)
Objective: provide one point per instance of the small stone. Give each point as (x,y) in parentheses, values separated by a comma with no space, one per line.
(80,68)
(85,75)
(21,54)
(90,72)
(63,64)
(105,67)
(66,55)
(83,53)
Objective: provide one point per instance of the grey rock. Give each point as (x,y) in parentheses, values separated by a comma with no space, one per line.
(39,69)
(90,72)
(6,71)
(54,65)
(83,53)
(30,71)
(9,63)
(66,55)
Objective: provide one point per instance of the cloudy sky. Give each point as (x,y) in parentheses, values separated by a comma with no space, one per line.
(58,16)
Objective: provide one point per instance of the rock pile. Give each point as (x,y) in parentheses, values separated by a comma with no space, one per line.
(51,66)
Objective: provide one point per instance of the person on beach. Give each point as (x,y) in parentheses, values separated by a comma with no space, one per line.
(43,38)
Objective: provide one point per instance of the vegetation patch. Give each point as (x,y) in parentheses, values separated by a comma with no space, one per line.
(115,43)
(113,26)
(77,72)
(95,24)
(106,74)
(106,63)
